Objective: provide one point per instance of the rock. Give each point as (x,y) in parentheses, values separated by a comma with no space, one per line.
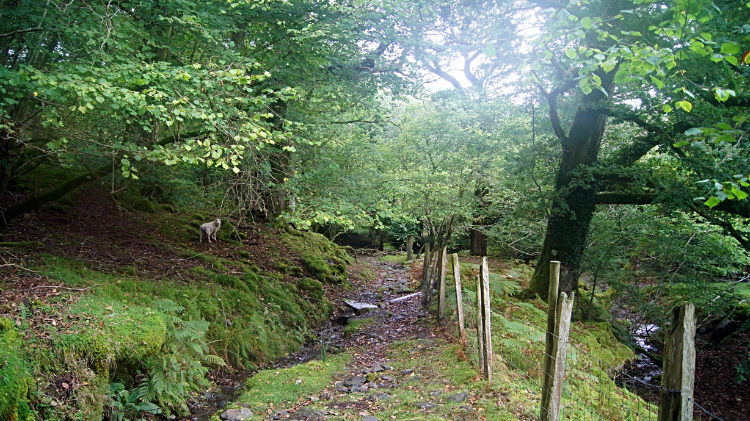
(236,414)
(458,397)
(370,419)
(381,396)
(436,393)
(362,388)
(355,381)
(359,306)
(373,369)
(342,389)
(407,371)
(387,378)
(425,405)
(307,414)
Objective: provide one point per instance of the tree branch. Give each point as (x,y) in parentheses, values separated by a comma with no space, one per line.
(440,72)
(467,69)
(19,31)
(625,198)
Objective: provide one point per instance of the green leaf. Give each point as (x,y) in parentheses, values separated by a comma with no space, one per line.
(681,144)
(657,82)
(586,23)
(489,51)
(666,108)
(741,195)
(621,75)
(693,131)
(732,60)
(730,48)
(712,202)
(685,105)
(570,53)
(609,65)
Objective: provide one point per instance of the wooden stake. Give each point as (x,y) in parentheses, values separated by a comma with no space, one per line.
(480,323)
(549,363)
(459,300)
(409,247)
(441,288)
(675,397)
(487,320)
(426,273)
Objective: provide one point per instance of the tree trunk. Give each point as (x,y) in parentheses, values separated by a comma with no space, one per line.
(573,208)
(478,243)
(409,248)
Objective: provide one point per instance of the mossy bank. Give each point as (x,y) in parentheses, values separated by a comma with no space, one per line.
(138,334)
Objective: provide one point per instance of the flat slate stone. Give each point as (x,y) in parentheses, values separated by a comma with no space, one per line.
(458,397)
(307,414)
(426,405)
(359,306)
(355,381)
(236,414)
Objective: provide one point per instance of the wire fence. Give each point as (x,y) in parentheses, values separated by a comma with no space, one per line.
(593,389)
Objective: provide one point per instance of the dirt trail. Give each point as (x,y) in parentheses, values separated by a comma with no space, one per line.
(368,345)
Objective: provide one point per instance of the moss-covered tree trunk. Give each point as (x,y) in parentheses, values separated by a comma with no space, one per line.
(573,208)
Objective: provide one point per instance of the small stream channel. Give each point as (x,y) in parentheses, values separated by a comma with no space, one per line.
(643,374)
(330,339)
(230,388)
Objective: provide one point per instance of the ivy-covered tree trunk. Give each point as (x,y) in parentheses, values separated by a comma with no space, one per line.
(573,208)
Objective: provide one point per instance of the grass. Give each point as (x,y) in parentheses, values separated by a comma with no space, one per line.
(355,325)
(251,318)
(276,388)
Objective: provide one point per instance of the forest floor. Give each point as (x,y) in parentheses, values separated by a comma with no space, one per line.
(394,362)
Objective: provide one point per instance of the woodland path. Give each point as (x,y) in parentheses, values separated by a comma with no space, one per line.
(358,392)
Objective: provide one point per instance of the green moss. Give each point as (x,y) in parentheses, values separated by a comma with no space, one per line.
(291,383)
(322,258)
(143,205)
(366,274)
(398,258)
(15,376)
(245,254)
(128,270)
(109,331)
(312,287)
(356,325)
(296,271)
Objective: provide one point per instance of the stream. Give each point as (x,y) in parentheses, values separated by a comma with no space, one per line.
(643,374)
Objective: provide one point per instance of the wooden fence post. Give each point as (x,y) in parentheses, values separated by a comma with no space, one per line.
(480,323)
(676,394)
(426,273)
(547,367)
(487,316)
(560,352)
(409,247)
(441,288)
(459,300)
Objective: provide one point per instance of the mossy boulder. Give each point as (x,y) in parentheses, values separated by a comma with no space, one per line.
(322,258)
(312,287)
(143,205)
